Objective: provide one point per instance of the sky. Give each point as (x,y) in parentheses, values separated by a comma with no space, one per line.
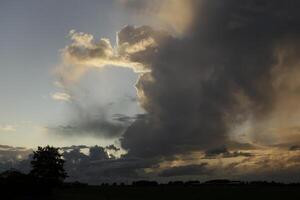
(161,89)
(32,35)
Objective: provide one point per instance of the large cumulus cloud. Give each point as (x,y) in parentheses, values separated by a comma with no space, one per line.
(219,75)
(233,70)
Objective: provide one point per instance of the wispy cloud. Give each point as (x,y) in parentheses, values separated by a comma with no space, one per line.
(61,96)
(8,128)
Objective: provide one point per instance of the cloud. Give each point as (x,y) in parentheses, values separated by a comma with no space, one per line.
(97,128)
(219,76)
(189,170)
(74,147)
(8,128)
(217,151)
(136,48)
(60,96)
(14,157)
(98,167)
(232,76)
(98,153)
(295,148)
(85,118)
(128,119)
(224,153)
(162,13)
(112,147)
(133,44)
(268,164)
(95,167)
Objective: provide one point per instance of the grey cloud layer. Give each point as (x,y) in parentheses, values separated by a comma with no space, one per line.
(98,166)
(189,170)
(14,157)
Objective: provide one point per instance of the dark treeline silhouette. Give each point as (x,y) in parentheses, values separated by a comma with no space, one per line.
(47,173)
(46,181)
(218,182)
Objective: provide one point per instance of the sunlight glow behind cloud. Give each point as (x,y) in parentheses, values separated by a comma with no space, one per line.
(60,96)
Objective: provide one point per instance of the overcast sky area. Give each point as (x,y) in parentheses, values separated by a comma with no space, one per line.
(160,89)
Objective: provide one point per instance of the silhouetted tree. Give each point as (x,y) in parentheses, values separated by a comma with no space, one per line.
(48,165)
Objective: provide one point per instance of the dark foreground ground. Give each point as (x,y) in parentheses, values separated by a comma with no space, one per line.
(203,192)
(243,192)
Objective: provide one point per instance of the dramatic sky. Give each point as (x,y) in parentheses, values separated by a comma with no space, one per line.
(153,89)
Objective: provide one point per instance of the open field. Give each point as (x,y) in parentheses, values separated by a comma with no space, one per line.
(170,192)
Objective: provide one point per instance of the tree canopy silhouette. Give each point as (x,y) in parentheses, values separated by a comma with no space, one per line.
(48,165)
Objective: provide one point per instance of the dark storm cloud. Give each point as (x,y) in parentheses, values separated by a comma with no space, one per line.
(189,170)
(223,152)
(193,88)
(200,84)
